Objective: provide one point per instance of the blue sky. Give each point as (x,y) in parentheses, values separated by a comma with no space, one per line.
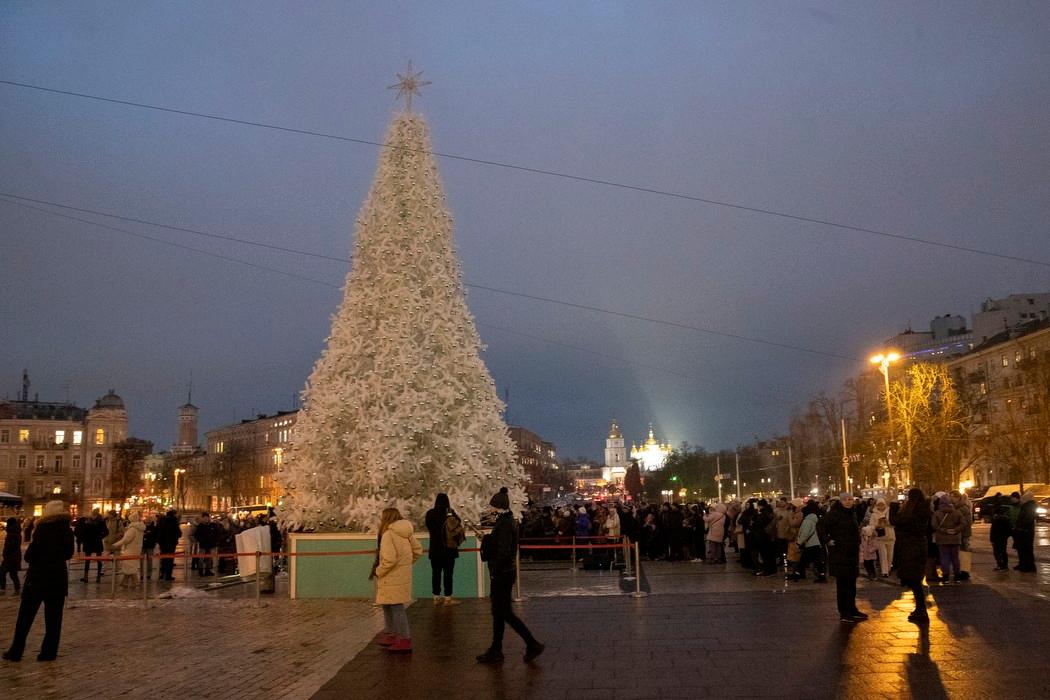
(925,120)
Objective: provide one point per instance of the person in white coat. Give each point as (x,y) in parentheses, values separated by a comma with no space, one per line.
(392,570)
(130,545)
(715,521)
(885,537)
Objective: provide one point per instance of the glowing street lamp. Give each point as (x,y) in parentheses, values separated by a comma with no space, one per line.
(883,360)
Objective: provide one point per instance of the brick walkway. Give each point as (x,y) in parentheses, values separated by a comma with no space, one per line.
(189,648)
(704,631)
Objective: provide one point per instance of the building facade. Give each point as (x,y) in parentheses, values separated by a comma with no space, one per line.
(616,461)
(651,454)
(59,451)
(1005,384)
(998,315)
(239,463)
(537,456)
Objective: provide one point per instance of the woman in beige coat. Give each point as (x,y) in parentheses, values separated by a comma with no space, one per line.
(130,545)
(398,550)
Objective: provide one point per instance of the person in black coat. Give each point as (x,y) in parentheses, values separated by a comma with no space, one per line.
(168,536)
(47,582)
(440,552)
(92,534)
(764,541)
(843,540)
(11,563)
(500,549)
(1024,535)
(911,523)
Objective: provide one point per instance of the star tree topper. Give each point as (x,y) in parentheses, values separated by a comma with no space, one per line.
(408,85)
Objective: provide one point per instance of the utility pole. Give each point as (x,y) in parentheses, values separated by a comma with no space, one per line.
(737,456)
(845,458)
(791,472)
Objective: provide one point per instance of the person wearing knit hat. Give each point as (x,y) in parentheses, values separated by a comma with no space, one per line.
(46,582)
(500,549)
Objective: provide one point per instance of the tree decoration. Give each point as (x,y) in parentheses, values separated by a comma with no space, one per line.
(400,404)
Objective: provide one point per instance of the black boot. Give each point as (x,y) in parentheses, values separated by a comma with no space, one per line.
(491,656)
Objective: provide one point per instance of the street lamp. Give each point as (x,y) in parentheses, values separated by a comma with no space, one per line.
(178,494)
(883,361)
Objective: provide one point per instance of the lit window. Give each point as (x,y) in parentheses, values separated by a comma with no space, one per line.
(1005,361)
(57,488)
(220,447)
(60,437)
(100,437)
(78,437)
(1017,356)
(23,435)
(39,464)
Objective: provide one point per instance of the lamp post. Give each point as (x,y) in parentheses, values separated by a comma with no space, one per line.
(178,494)
(883,360)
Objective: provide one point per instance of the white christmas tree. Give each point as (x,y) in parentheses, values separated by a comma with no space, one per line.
(400,405)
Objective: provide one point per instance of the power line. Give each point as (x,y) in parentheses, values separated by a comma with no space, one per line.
(496,290)
(550,173)
(336,286)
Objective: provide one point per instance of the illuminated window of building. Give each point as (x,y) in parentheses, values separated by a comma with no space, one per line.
(60,437)
(5,436)
(40,464)
(76,487)
(100,437)
(98,460)
(78,437)
(58,464)
(57,488)
(220,447)
(262,482)
(76,461)
(1005,361)
(23,435)
(21,461)
(1017,356)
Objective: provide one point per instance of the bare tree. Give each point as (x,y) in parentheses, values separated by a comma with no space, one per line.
(127,467)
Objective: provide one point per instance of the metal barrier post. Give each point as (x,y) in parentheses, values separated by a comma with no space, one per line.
(625,548)
(638,593)
(258,579)
(517,578)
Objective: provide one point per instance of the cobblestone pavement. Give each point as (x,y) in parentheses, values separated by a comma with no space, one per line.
(211,647)
(705,630)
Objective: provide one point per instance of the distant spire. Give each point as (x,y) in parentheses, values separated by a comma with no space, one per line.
(25,384)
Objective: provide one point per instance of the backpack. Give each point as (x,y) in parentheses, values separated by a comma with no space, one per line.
(822,532)
(455,534)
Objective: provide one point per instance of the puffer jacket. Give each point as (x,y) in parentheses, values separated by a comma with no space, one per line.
(947,525)
(716,523)
(398,550)
(807,532)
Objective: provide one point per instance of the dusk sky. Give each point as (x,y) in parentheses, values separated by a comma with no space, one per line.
(925,120)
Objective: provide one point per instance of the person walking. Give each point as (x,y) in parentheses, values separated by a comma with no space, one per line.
(11,563)
(1024,535)
(446,534)
(130,545)
(911,525)
(114,531)
(812,551)
(499,549)
(93,535)
(47,582)
(947,535)
(168,536)
(392,571)
(843,540)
